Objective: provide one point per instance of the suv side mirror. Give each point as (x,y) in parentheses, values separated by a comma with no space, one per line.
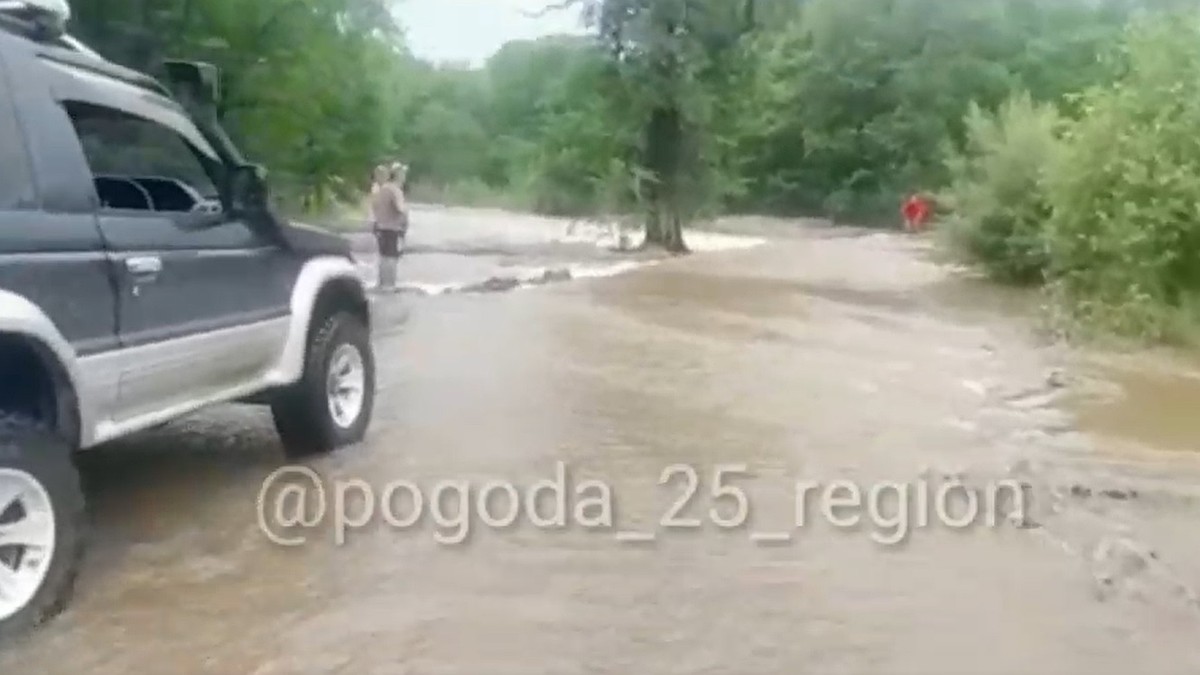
(196,85)
(247,191)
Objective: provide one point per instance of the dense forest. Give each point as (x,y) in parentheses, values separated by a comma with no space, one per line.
(1061,137)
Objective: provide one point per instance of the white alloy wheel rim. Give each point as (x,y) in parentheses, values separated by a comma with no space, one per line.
(346,385)
(27,539)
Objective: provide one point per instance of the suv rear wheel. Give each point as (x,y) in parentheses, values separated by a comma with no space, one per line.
(331,405)
(41,524)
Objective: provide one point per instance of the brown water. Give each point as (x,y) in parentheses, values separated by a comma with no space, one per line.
(1150,402)
(813,357)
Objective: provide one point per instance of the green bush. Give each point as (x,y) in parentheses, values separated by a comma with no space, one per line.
(470,192)
(996,203)
(1125,235)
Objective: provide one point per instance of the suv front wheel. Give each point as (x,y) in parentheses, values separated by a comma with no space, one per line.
(331,405)
(41,523)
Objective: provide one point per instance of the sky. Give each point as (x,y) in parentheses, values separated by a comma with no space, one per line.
(472,30)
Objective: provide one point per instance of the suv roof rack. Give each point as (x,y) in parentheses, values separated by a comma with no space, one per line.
(44,23)
(40,20)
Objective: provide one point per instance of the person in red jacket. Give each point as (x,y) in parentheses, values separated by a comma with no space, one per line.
(916,213)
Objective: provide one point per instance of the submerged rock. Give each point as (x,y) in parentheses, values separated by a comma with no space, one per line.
(493,285)
(1119,494)
(1057,378)
(556,275)
(1116,559)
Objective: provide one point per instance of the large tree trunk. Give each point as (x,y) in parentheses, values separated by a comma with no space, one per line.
(664,229)
(672,233)
(664,158)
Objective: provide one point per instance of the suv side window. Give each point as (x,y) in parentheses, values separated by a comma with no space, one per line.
(16,179)
(141,165)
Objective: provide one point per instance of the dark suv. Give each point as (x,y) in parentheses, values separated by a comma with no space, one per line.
(143,276)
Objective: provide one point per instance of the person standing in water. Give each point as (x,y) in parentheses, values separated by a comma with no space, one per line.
(916,211)
(389,222)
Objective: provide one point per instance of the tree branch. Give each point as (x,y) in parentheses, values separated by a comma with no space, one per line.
(556,7)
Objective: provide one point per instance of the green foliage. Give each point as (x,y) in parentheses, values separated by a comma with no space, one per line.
(851,103)
(582,133)
(307,84)
(671,59)
(825,106)
(996,196)
(466,192)
(537,127)
(1125,235)
(1071,138)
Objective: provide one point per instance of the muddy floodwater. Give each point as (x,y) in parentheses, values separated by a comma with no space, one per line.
(683,401)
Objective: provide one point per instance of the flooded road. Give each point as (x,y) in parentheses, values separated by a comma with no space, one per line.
(822,355)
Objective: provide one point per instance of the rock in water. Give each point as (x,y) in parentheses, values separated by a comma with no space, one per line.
(494,285)
(555,275)
(1117,560)
(1056,378)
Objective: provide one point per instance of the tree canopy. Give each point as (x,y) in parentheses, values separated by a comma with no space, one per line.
(674,110)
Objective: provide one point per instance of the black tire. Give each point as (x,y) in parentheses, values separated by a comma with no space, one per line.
(28,447)
(302,412)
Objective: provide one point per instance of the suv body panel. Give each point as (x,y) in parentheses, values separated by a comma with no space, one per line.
(149,319)
(196,358)
(51,250)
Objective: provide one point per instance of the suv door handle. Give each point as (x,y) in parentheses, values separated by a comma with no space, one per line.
(148,265)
